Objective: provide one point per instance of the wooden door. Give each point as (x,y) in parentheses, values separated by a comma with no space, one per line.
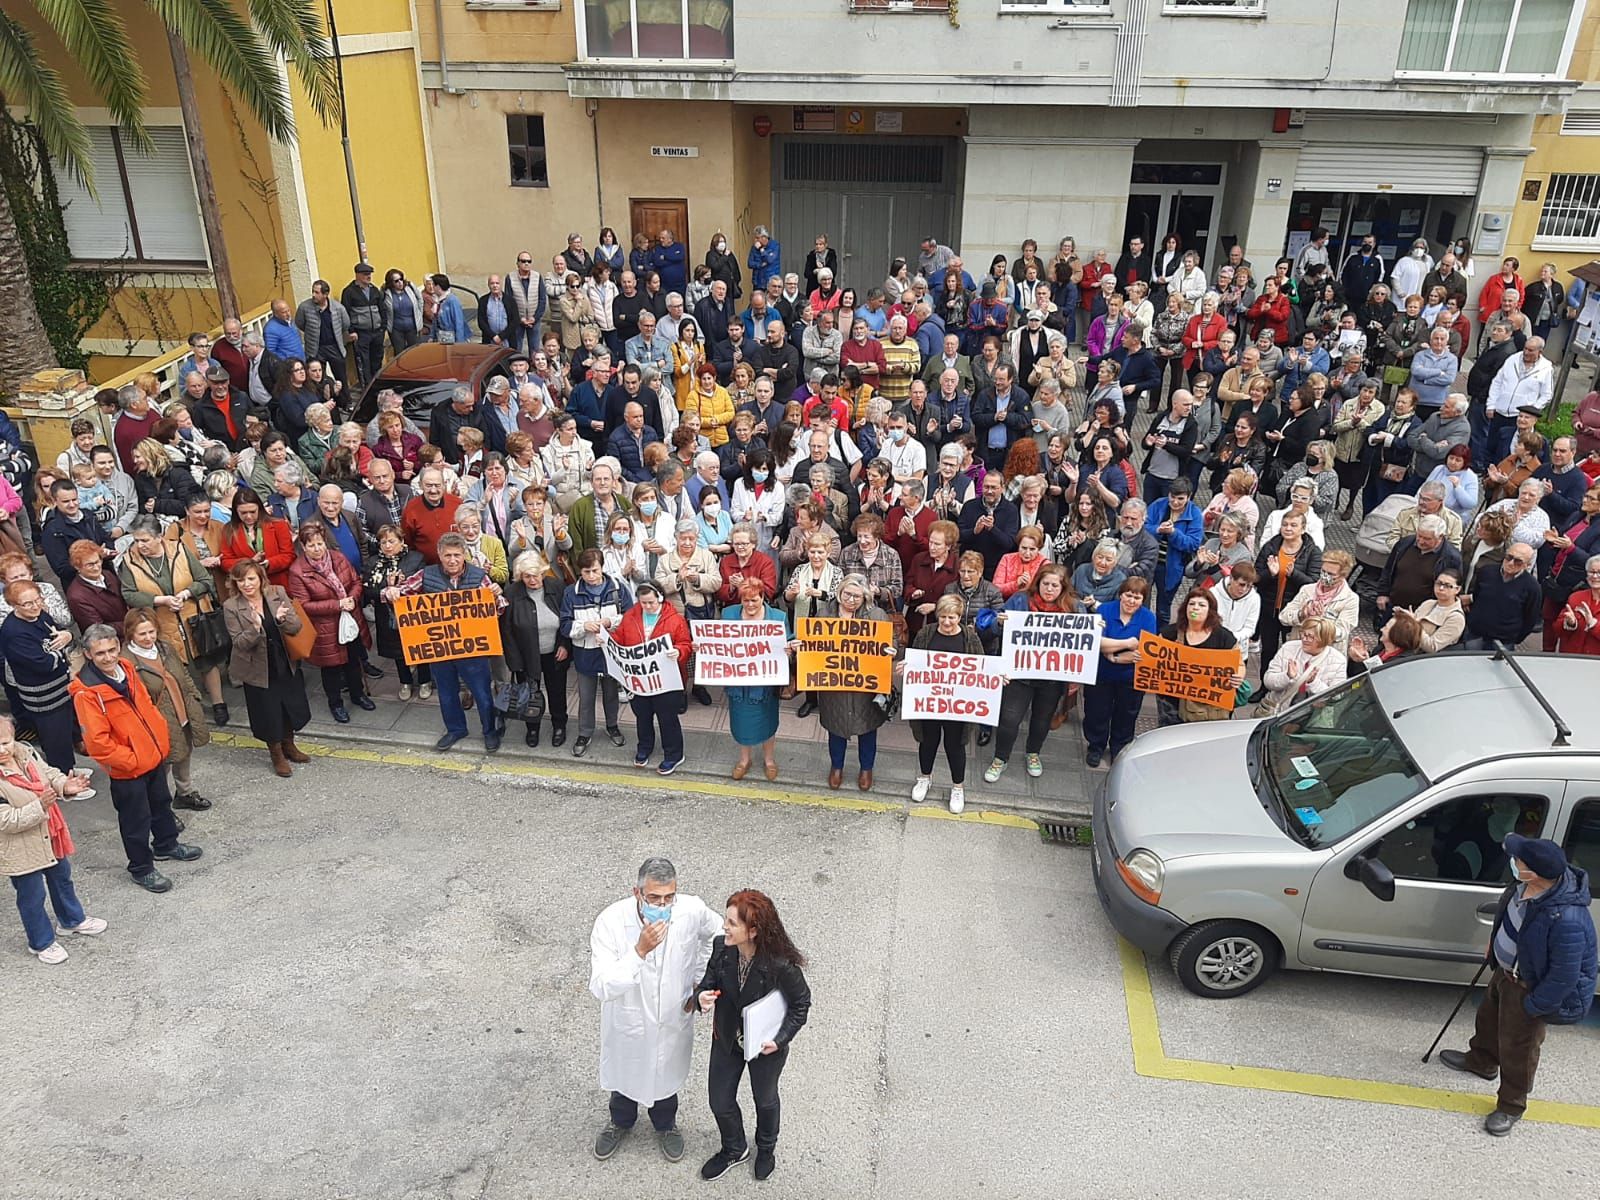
(650,217)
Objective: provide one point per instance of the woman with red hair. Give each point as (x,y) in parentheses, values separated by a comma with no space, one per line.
(752,959)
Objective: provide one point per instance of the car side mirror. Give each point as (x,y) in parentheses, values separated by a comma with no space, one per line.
(1373,874)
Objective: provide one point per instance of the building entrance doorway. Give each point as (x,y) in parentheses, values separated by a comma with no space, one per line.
(1180,198)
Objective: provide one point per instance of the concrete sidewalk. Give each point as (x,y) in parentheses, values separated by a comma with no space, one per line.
(1062,793)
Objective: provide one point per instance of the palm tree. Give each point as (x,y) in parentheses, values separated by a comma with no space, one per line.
(242,47)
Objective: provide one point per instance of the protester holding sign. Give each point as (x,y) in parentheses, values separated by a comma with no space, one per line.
(753,707)
(1200,628)
(1111,707)
(648,622)
(456,660)
(856,714)
(590,609)
(947,635)
(1037,660)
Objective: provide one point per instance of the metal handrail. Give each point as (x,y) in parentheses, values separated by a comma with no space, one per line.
(164,367)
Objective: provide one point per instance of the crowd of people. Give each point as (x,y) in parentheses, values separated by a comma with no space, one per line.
(667,445)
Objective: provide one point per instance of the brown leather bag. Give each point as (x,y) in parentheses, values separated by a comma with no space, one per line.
(299,645)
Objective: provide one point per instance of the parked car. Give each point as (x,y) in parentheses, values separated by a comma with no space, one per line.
(1358,831)
(427,374)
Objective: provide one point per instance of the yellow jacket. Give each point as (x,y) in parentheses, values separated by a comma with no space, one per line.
(716,414)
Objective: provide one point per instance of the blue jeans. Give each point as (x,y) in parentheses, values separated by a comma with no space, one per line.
(866,750)
(625,1111)
(63,898)
(448,678)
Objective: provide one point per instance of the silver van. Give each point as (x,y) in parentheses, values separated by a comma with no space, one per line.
(1358,831)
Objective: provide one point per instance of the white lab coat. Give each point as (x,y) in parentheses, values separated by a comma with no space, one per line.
(646,1038)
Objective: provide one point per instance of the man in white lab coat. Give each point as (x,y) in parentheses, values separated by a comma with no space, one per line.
(647,952)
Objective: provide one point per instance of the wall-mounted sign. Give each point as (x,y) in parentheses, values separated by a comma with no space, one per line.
(1530,188)
(762,125)
(813,118)
(888,120)
(674,151)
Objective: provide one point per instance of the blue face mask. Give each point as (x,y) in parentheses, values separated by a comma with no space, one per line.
(619,538)
(648,507)
(651,912)
(759,476)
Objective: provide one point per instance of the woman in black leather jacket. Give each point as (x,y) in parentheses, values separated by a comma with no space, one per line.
(752,959)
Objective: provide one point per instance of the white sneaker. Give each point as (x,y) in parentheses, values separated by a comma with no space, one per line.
(919,789)
(405,691)
(958,798)
(54,953)
(425,691)
(91,927)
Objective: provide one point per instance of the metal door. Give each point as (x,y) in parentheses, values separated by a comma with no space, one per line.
(1444,851)
(864,241)
(875,198)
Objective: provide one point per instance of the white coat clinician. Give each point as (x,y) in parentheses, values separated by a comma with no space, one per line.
(647,953)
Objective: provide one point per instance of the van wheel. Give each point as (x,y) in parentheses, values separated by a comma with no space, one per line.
(1222,959)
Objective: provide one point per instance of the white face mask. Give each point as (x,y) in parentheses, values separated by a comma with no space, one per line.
(1419,252)
(722,247)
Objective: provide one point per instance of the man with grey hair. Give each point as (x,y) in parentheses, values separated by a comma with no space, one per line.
(1430,442)
(463,409)
(1413,565)
(289,500)
(1431,498)
(1503,606)
(136,421)
(647,952)
(262,368)
(667,326)
(588,516)
(765,260)
(1138,551)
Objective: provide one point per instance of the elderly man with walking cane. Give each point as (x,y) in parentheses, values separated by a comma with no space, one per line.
(1542,951)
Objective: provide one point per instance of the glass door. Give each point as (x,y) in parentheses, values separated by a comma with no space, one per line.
(1147,214)
(1191,221)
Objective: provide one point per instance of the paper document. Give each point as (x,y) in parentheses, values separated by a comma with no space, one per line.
(761,1022)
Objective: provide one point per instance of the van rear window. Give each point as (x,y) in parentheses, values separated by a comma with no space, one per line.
(1336,765)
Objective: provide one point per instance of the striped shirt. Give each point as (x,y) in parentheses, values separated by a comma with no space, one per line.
(1505,937)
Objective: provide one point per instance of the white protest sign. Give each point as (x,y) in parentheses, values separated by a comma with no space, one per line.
(1061,647)
(741,653)
(648,669)
(938,686)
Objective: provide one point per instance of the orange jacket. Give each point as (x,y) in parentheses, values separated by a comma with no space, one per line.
(128,740)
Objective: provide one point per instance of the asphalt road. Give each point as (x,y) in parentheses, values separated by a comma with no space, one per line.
(374,984)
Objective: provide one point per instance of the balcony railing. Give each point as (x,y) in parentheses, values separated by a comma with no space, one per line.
(899,6)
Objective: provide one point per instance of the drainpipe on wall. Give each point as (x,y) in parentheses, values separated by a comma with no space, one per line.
(444,59)
(591,108)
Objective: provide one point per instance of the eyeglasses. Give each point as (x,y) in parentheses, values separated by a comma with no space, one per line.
(523,262)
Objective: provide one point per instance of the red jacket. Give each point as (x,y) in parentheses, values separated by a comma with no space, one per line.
(862,354)
(1270,314)
(127,738)
(422,527)
(276,540)
(1212,330)
(1585,639)
(321,602)
(908,547)
(1494,291)
(630,632)
(759,566)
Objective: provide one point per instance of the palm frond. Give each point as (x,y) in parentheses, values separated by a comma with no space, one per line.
(294,29)
(25,79)
(215,32)
(93,34)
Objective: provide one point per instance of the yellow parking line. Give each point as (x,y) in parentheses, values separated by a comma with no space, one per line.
(1150,1060)
(466,764)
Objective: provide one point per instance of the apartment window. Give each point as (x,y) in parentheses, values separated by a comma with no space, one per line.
(1214,8)
(1571,213)
(672,30)
(525,140)
(1517,38)
(146,210)
(899,6)
(1053,6)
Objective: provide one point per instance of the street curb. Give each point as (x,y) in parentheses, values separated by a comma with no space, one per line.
(400,749)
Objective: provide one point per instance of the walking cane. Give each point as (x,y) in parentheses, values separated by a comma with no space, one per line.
(1455,1010)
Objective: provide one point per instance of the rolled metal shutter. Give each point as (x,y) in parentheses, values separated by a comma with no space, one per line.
(1364,167)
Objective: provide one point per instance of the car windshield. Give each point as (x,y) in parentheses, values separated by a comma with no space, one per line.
(1335,764)
(420,395)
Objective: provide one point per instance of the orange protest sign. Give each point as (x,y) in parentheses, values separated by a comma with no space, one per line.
(439,626)
(1184,673)
(843,654)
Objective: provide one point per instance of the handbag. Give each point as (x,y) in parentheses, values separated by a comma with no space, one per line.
(349,631)
(207,631)
(1397,376)
(299,645)
(520,700)
(1392,472)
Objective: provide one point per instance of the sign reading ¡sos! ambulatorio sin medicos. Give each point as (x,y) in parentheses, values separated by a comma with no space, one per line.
(440,626)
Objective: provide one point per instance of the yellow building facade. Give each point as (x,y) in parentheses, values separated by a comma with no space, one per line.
(1557,219)
(286,210)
